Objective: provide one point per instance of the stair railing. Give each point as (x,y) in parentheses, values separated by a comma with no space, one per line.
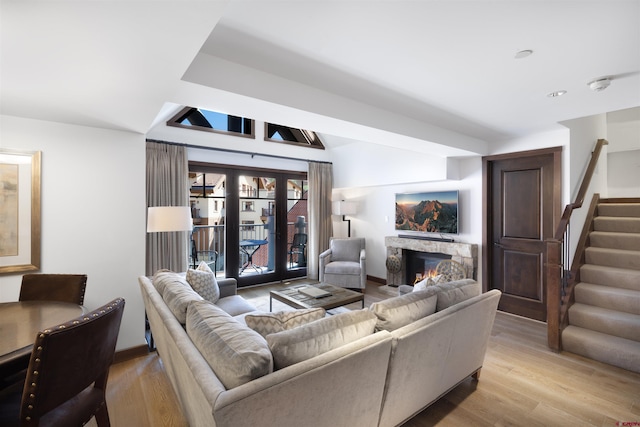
(559,276)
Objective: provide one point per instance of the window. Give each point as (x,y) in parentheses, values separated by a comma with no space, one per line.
(212,121)
(287,135)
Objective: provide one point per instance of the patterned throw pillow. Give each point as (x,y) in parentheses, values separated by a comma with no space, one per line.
(269,323)
(204,282)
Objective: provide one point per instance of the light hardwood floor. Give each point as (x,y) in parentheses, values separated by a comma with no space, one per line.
(522,383)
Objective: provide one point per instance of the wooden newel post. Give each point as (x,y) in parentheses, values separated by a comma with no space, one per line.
(554,296)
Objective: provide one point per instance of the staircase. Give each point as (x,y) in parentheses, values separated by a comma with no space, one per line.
(604,321)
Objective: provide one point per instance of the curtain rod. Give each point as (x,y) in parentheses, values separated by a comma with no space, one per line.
(226,150)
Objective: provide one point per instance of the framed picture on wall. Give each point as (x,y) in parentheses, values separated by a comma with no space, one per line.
(19,210)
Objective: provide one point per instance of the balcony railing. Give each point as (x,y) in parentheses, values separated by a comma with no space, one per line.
(208,244)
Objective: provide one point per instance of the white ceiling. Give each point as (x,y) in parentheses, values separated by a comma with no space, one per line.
(413,72)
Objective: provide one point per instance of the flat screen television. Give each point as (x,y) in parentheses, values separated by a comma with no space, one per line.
(428,212)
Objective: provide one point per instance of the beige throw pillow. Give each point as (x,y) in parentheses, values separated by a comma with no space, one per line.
(236,354)
(310,340)
(203,281)
(269,323)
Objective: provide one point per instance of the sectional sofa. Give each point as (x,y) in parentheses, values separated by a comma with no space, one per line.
(370,367)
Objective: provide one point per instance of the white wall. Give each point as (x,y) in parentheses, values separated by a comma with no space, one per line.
(623,173)
(375,205)
(93,212)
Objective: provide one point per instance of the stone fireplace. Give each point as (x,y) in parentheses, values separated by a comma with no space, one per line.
(421,264)
(401,249)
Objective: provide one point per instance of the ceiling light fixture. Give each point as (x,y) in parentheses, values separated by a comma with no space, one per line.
(556,93)
(599,85)
(523,54)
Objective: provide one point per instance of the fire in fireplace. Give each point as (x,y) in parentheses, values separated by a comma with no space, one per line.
(422,264)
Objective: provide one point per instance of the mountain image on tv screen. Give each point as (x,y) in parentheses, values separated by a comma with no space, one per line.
(430,216)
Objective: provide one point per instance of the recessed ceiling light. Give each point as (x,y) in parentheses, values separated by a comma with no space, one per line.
(557,93)
(523,54)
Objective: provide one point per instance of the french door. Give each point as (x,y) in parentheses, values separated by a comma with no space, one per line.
(250,224)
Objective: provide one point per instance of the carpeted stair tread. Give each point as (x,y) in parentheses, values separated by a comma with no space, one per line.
(617,224)
(610,276)
(613,257)
(619,209)
(602,347)
(609,297)
(615,240)
(611,322)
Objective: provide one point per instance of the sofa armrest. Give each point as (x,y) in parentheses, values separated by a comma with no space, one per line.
(228,287)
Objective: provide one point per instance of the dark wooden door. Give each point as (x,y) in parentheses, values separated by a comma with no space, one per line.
(523,206)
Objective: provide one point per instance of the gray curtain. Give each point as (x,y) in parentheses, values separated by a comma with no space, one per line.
(167,185)
(320,224)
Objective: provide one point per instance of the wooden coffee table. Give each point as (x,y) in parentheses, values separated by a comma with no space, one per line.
(293,298)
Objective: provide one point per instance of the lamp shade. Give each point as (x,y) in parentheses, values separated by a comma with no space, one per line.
(344,208)
(169,218)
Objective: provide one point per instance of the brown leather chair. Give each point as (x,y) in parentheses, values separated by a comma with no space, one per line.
(53,287)
(68,370)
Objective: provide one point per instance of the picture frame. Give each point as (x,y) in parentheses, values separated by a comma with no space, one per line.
(20,213)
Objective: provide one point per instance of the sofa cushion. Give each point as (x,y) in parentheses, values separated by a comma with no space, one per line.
(203,281)
(307,341)
(269,323)
(393,313)
(236,354)
(451,293)
(235,305)
(164,277)
(177,295)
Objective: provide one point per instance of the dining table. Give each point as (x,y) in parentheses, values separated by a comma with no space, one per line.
(20,321)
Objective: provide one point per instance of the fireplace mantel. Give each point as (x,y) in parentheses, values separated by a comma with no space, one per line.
(464,253)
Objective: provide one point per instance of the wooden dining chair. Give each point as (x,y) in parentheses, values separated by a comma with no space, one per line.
(68,370)
(53,287)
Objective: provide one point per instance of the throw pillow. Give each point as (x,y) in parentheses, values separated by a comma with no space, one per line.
(235,353)
(427,281)
(269,323)
(310,340)
(203,281)
(396,312)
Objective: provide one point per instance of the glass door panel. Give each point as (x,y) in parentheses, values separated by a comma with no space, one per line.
(257,225)
(207,199)
(297,237)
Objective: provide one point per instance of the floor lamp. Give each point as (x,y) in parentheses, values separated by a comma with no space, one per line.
(168,219)
(345,208)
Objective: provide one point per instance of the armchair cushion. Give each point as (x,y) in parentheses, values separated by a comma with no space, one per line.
(345,250)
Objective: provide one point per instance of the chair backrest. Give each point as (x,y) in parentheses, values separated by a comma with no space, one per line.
(346,249)
(299,240)
(68,358)
(53,287)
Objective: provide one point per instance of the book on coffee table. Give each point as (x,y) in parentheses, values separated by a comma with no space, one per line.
(314,292)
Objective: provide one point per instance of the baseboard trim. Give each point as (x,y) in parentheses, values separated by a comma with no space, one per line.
(377,279)
(130,353)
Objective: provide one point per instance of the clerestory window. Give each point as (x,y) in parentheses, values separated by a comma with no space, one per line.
(212,121)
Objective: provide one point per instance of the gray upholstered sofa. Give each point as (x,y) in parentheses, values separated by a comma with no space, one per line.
(374,377)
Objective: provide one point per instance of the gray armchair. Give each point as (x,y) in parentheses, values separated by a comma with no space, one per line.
(343,264)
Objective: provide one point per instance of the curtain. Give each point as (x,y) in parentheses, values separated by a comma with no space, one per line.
(320,224)
(167,185)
